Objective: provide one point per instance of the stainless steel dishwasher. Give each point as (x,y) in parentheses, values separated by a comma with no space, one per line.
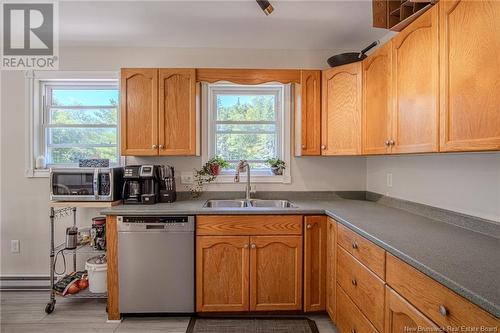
(156,264)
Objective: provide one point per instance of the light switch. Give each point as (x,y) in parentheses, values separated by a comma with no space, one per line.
(14,246)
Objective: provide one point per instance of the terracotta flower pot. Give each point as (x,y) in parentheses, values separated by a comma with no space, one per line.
(215,169)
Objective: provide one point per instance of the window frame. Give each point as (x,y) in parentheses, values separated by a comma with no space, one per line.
(282,121)
(34,115)
(47,87)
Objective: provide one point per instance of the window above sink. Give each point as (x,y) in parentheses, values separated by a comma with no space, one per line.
(250,122)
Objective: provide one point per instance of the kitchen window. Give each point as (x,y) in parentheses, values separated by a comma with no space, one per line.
(249,122)
(80,121)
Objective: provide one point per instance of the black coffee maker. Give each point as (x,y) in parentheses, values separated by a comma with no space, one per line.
(141,184)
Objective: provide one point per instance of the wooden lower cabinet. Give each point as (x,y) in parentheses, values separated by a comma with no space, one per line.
(402,317)
(315,230)
(275,273)
(349,318)
(222,273)
(252,271)
(331,262)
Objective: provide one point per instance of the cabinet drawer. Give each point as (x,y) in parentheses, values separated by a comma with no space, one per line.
(363,287)
(232,225)
(349,318)
(362,249)
(443,306)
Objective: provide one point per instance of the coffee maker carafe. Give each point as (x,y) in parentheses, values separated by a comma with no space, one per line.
(141,184)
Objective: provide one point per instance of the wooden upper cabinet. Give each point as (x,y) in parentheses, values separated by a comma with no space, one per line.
(139,111)
(177,112)
(222,271)
(341,110)
(402,317)
(377,101)
(275,273)
(331,263)
(415,86)
(315,235)
(469,34)
(308,115)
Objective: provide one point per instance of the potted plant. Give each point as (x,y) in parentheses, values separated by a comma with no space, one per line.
(277,165)
(207,174)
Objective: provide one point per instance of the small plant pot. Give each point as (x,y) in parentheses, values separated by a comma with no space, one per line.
(215,170)
(277,171)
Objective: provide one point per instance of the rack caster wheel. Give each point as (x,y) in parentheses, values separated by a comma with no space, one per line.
(49,308)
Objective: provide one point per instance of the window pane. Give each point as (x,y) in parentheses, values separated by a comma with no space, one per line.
(83,116)
(72,155)
(246,127)
(82,97)
(245,146)
(253,165)
(82,136)
(246,107)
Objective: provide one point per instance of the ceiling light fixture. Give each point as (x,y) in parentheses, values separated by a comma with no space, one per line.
(265,6)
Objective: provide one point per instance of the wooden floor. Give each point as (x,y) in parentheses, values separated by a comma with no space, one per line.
(24,312)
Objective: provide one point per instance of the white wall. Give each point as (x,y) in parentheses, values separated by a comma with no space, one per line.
(466,183)
(24,208)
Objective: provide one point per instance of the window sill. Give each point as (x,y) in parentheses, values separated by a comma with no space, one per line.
(37,173)
(226,179)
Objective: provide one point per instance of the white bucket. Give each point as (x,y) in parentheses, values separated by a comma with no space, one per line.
(97,276)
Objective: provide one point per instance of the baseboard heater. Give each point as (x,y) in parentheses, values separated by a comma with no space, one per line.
(24,283)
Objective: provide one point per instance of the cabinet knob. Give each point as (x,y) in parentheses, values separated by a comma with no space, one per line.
(354,282)
(308,226)
(304,146)
(323,147)
(353,330)
(443,310)
(161,146)
(154,146)
(245,246)
(253,246)
(392,142)
(354,245)
(387,143)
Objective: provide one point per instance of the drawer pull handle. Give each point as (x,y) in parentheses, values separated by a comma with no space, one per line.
(443,311)
(354,245)
(353,330)
(354,282)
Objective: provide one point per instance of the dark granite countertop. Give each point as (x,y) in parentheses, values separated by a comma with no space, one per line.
(465,261)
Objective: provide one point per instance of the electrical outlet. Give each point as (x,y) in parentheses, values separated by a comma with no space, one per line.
(14,246)
(389,180)
(187,178)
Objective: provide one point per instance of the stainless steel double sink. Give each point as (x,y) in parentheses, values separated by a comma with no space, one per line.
(252,203)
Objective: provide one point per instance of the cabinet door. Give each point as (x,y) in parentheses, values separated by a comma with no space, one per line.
(139,111)
(315,263)
(177,116)
(402,317)
(469,34)
(341,110)
(331,264)
(275,273)
(310,113)
(377,101)
(415,86)
(222,271)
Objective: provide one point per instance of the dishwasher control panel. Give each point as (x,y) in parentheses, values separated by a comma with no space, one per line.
(172,223)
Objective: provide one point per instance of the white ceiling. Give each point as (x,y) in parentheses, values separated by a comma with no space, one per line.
(306,25)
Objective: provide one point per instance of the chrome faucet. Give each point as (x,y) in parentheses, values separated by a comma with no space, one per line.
(239,168)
